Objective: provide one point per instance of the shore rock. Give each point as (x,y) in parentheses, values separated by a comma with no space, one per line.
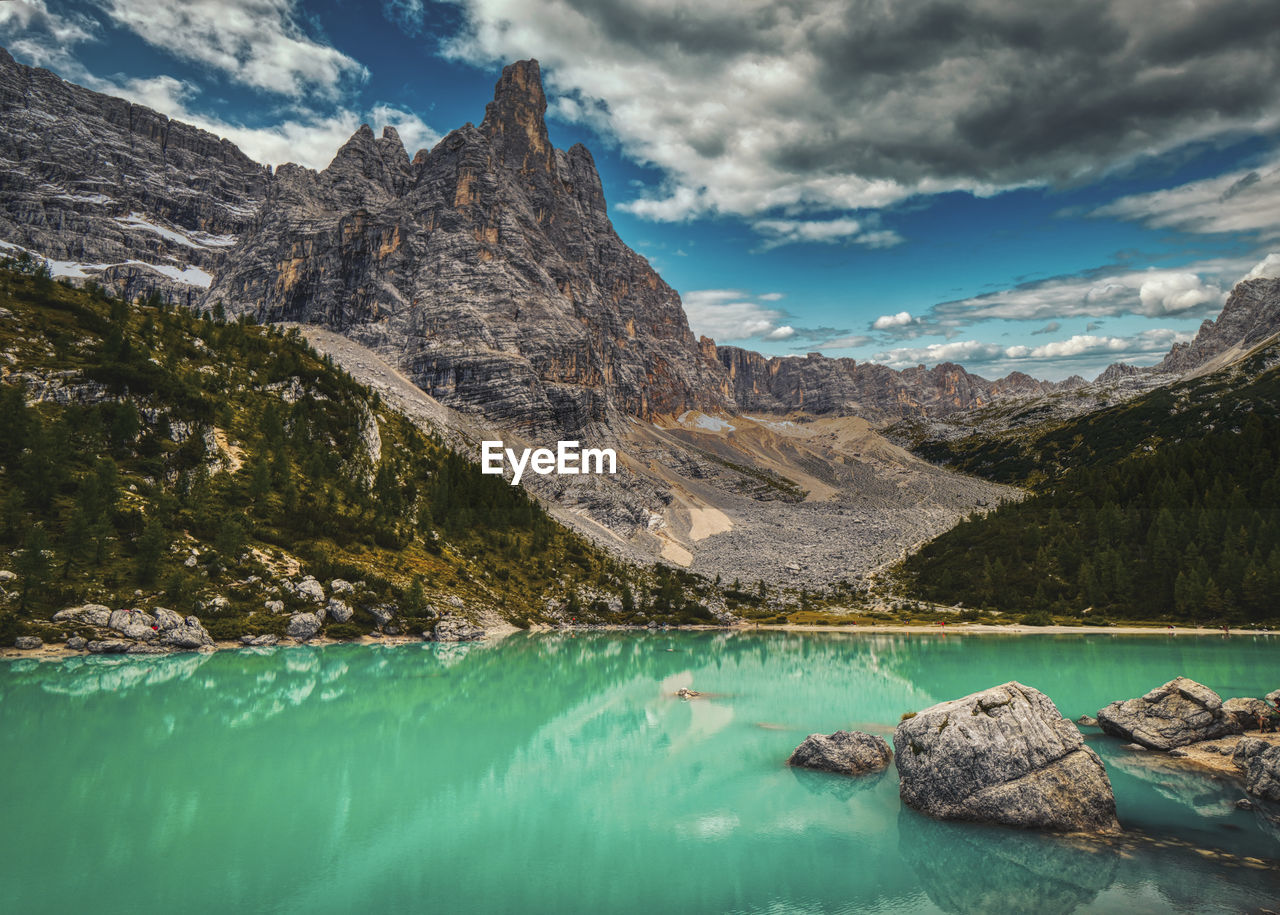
(1273,697)
(303,626)
(109,646)
(1262,778)
(76,643)
(190,635)
(27,642)
(453,629)
(1085,721)
(134,624)
(1246,749)
(167,619)
(1178,713)
(88,614)
(1252,714)
(1006,756)
(259,640)
(339,611)
(845,752)
(310,589)
(382,614)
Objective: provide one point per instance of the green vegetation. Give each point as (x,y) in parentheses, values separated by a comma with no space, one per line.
(1167,507)
(169,459)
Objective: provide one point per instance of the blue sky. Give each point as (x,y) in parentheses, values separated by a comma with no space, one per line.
(952,180)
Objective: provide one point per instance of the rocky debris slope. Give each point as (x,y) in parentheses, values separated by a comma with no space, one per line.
(133,631)
(1178,713)
(115,191)
(1007,756)
(844,752)
(486,269)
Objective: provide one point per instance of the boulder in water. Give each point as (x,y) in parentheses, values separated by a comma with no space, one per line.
(1262,778)
(1252,714)
(1178,713)
(1006,756)
(845,752)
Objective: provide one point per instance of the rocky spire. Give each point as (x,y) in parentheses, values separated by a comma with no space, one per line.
(514,121)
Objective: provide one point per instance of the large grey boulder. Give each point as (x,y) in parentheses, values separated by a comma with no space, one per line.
(109,646)
(454,629)
(1262,778)
(845,752)
(27,642)
(1252,714)
(189,635)
(1178,713)
(88,614)
(303,626)
(259,641)
(1273,697)
(76,643)
(134,624)
(310,589)
(167,619)
(1007,756)
(339,610)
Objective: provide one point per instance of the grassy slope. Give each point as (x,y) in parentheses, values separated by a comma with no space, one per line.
(180,437)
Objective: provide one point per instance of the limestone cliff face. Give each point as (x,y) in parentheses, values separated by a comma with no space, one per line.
(487,267)
(116,191)
(816,384)
(1251,315)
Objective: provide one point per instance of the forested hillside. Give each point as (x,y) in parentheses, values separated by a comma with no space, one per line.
(151,456)
(1164,507)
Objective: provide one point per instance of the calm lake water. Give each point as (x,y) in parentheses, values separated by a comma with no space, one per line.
(557,773)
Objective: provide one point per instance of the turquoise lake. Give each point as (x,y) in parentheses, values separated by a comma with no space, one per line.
(558,773)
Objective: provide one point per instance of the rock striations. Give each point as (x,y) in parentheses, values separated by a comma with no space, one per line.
(1004,755)
(1179,713)
(487,267)
(116,191)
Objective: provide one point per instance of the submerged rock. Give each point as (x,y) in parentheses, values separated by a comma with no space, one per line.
(1004,755)
(1178,713)
(453,629)
(303,626)
(1086,721)
(28,642)
(1262,778)
(845,752)
(685,693)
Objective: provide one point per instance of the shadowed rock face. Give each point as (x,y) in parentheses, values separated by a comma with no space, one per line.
(487,268)
(1250,316)
(1006,756)
(1178,713)
(91,179)
(1262,778)
(844,752)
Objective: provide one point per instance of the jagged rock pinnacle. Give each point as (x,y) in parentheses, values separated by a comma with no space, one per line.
(515,120)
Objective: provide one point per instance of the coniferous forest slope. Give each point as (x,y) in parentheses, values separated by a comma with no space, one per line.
(155,457)
(1164,507)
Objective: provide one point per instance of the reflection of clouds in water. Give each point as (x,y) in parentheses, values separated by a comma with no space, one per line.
(708,826)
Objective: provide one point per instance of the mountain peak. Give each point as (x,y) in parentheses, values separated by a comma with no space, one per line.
(515,120)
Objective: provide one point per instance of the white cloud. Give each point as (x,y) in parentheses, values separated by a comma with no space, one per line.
(886,322)
(1267,268)
(778,232)
(407,14)
(1238,202)
(1195,291)
(729,314)
(785,332)
(42,38)
(976,352)
(771,297)
(309,139)
(259,43)
(752,107)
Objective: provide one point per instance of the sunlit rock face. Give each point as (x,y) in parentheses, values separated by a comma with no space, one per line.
(486,266)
